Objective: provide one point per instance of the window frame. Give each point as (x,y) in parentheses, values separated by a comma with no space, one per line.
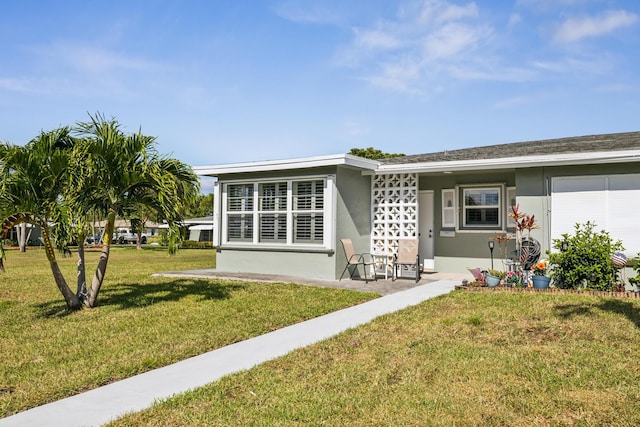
(325,207)
(499,205)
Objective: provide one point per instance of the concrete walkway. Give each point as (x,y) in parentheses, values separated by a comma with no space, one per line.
(107,403)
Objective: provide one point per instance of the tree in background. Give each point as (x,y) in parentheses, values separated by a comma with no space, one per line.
(373,153)
(201,207)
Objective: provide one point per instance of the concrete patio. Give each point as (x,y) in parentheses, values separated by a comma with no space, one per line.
(381,286)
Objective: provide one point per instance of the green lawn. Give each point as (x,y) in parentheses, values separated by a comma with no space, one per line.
(142,322)
(464,359)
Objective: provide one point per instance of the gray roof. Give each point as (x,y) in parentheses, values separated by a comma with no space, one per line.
(576,144)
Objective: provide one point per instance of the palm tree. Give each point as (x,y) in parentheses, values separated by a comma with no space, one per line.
(61,180)
(33,178)
(117,174)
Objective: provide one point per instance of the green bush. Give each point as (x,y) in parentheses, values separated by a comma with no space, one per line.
(635,263)
(587,261)
(191,244)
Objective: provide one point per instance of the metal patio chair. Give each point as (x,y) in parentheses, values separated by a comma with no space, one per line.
(354,260)
(407,258)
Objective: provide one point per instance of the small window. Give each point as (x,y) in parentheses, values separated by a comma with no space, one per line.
(481,207)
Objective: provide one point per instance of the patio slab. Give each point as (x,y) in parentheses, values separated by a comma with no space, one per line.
(381,286)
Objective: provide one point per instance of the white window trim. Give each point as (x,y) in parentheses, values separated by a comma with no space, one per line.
(459,189)
(329,214)
(500,207)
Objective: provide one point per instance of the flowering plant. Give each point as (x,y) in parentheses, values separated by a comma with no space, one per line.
(540,268)
(514,277)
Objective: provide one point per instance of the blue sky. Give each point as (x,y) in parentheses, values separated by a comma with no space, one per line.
(232,81)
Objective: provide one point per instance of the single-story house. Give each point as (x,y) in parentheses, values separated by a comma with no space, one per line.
(200,229)
(288,216)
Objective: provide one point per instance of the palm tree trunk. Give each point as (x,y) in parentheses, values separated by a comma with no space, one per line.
(72,300)
(81,271)
(101,269)
(22,237)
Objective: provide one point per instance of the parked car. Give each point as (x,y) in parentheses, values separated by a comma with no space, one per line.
(94,240)
(126,235)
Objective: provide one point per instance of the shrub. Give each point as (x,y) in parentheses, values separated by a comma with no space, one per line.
(587,261)
(635,263)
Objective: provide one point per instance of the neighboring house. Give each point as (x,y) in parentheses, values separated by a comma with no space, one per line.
(150,228)
(287,216)
(200,229)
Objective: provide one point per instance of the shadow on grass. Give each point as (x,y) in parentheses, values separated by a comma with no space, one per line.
(625,308)
(136,295)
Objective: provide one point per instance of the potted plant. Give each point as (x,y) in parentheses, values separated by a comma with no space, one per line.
(540,278)
(494,277)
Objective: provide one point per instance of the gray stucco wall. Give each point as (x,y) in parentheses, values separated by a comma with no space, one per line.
(533,188)
(454,254)
(465,248)
(353,216)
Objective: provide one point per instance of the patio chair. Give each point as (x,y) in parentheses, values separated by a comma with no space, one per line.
(407,258)
(354,260)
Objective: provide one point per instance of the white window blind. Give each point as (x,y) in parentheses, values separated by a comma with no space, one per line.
(481,207)
(281,212)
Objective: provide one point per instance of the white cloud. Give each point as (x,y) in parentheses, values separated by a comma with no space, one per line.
(376,39)
(15,85)
(308,12)
(514,20)
(94,58)
(439,12)
(451,39)
(405,54)
(397,76)
(576,29)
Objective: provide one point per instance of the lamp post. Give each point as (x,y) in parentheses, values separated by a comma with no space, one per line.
(565,246)
(491,245)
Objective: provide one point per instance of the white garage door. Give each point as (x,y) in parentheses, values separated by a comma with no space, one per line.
(611,201)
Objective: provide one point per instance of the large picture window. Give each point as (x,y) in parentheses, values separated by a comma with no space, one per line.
(285,212)
(481,207)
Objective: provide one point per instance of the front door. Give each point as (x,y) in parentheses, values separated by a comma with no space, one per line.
(425,229)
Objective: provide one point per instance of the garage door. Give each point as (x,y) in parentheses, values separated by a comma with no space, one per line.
(611,201)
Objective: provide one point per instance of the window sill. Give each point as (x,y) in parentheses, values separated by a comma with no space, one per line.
(276,248)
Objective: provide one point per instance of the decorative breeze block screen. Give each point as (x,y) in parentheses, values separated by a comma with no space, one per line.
(395,211)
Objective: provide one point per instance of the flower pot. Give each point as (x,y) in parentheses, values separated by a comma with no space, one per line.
(541,282)
(492,281)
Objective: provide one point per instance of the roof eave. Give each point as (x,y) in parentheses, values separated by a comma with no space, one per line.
(514,162)
(288,164)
